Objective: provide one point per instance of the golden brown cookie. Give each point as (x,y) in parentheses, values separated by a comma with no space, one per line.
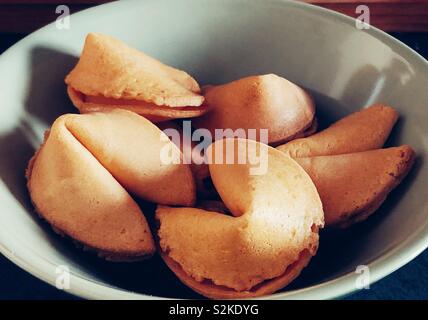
(364,130)
(110,74)
(213,291)
(267,241)
(81,177)
(258,102)
(352,186)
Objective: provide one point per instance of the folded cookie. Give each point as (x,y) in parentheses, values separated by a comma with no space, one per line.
(111,75)
(364,130)
(204,186)
(352,186)
(308,132)
(81,178)
(258,102)
(266,242)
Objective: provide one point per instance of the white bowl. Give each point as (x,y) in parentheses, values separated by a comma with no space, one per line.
(217,41)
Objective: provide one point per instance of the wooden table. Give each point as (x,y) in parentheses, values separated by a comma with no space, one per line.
(388,15)
(24,16)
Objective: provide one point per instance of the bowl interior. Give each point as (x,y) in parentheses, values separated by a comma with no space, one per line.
(216,41)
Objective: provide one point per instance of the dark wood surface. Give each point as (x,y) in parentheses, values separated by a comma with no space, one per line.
(388,15)
(21,16)
(24,16)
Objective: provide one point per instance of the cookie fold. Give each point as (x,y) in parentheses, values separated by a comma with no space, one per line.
(364,130)
(352,186)
(81,178)
(109,74)
(258,102)
(267,241)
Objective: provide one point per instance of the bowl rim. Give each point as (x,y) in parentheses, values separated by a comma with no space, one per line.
(338,287)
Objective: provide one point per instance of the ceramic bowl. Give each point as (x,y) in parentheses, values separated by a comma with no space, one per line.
(345,69)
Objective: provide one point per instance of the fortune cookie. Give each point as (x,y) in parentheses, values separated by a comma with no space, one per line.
(270,237)
(364,130)
(258,102)
(81,178)
(352,186)
(308,132)
(110,75)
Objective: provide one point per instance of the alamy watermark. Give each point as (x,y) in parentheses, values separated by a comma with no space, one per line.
(362,22)
(63,20)
(363,279)
(62,281)
(195,143)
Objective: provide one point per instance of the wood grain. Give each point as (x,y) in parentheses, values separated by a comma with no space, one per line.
(388,15)
(24,16)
